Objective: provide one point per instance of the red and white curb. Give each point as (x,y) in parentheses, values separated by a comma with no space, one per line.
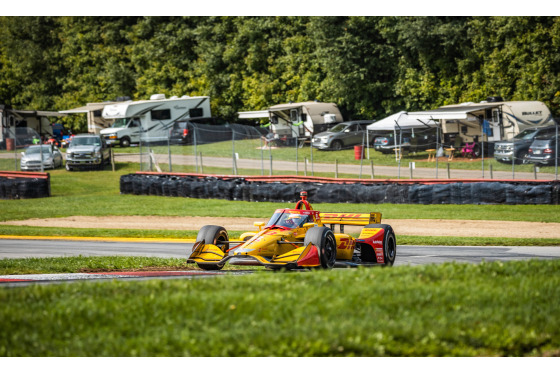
(104,275)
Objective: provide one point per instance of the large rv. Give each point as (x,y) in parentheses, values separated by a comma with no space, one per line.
(300,120)
(489,121)
(150,120)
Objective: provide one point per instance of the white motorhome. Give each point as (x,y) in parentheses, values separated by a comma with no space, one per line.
(150,120)
(489,121)
(300,120)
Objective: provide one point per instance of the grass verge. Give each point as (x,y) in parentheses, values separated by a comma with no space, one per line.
(78,264)
(489,309)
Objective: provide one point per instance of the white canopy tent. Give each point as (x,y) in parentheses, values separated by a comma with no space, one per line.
(400,121)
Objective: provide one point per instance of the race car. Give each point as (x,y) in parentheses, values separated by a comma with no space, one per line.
(298,239)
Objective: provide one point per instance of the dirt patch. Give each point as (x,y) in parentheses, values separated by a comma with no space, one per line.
(418,227)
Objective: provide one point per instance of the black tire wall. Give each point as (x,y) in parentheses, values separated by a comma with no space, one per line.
(24,188)
(239,189)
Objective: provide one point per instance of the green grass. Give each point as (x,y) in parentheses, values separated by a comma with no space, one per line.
(490,309)
(77,264)
(96,193)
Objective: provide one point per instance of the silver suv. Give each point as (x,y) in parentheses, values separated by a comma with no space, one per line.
(87,151)
(343,135)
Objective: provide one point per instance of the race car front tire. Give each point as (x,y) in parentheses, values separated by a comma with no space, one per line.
(323,238)
(212,234)
(389,243)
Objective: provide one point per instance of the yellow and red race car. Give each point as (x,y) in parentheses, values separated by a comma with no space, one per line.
(299,238)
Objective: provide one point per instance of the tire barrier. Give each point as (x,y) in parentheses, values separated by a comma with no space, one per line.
(24,185)
(373,192)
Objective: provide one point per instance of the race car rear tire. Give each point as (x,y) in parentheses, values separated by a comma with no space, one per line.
(212,234)
(389,243)
(323,238)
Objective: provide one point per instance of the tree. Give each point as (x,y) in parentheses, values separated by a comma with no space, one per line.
(30,69)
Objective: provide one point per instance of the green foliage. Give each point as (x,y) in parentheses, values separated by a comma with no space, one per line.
(489,309)
(369,66)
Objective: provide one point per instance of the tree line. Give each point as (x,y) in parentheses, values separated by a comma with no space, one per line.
(370,66)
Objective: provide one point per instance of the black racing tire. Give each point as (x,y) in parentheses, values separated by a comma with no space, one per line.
(125,142)
(389,243)
(212,234)
(323,238)
(336,145)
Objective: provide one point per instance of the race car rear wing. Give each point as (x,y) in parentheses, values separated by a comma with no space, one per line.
(353,219)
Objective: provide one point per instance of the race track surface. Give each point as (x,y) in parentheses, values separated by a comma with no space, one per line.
(406,255)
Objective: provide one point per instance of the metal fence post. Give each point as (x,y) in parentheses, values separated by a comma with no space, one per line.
(112,159)
(336,168)
(535,169)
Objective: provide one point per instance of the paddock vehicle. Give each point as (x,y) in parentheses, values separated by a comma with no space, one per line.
(298,239)
(87,151)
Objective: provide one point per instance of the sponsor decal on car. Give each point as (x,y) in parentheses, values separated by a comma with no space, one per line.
(369,232)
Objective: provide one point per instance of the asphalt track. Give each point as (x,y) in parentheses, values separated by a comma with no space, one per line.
(40,248)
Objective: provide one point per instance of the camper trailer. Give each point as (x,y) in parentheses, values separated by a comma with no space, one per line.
(23,125)
(302,120)
(150,121)
(487,122)
(298,120)
(497,120)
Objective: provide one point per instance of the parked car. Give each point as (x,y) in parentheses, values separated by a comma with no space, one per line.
(31,158)
(343,135)
(419,140)
(543,150)
(87,151)
(519,145)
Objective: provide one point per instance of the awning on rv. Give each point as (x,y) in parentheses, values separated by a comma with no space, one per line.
(455,112)
(35,113)
(253,114)
(85,109)
(400,120)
